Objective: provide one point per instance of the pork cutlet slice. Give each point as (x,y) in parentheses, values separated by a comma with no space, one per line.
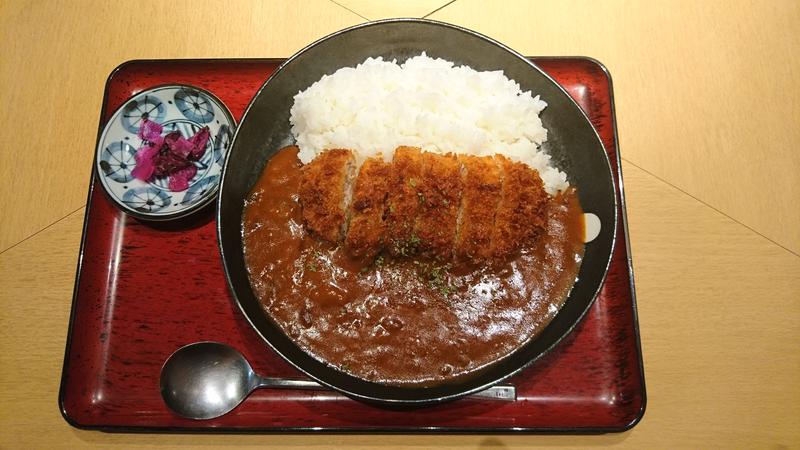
(520,212)
(367,228)
(324,189)
(439,197)
(402,203)
(483,180)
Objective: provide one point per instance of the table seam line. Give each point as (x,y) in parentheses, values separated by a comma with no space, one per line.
(345,7)
(709,206)
(369,20)
(439,9)
(43,229)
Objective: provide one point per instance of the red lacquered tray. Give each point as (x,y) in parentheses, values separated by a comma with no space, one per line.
(142,291)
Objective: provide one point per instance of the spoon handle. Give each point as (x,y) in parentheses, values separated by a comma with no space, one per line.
(505,392)
(500,392)
(282,383)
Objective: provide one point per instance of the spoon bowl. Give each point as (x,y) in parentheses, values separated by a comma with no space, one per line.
(206,380)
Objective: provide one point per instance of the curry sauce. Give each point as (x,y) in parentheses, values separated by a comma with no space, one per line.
(395,320)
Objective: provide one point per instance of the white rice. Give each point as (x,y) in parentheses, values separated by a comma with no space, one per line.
(427,103)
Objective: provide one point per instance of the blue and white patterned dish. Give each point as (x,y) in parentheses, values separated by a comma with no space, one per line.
(176,107)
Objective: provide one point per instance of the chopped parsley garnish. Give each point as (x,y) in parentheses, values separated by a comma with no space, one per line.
(436,276)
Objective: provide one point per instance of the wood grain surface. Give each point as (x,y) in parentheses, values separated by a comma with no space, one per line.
(713,208)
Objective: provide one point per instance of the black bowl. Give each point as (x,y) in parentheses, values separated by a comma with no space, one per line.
(572,141)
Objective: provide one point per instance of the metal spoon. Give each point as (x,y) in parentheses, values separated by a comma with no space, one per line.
(208,379)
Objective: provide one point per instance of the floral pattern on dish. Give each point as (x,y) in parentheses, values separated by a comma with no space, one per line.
(135,111)
(147,199)
(194,105)
(117,161)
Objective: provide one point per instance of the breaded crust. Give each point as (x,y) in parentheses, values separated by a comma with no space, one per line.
(520,212)
(439,196)
(482,184)
(402,203)
(366,232)
(323,191)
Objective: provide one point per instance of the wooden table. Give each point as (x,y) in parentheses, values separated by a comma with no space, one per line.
(708,108)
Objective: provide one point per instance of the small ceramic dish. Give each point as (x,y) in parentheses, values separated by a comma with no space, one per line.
(182,108)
